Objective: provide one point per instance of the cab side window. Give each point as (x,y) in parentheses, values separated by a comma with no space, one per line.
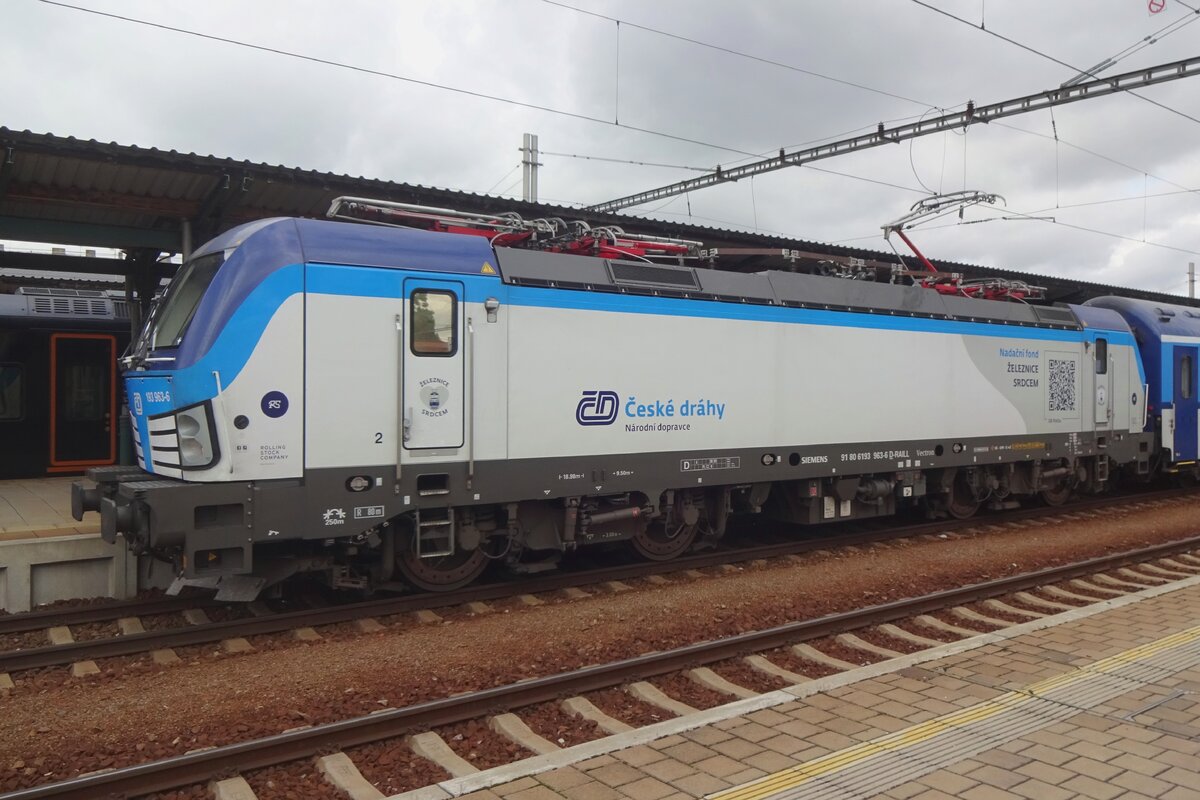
(433,323)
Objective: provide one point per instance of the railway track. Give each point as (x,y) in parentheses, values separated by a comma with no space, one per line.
(135,643)
(1139,569)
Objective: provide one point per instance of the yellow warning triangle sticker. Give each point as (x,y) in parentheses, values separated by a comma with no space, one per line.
(487,269)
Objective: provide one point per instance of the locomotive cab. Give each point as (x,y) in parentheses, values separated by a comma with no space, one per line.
(225,335)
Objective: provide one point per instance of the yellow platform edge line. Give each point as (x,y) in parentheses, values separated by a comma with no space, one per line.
(800,774)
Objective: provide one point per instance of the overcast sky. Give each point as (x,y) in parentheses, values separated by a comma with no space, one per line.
(73,73)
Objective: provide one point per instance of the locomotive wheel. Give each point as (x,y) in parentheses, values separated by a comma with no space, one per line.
(1056,496)
(441,574)
(656,543)
(961,504)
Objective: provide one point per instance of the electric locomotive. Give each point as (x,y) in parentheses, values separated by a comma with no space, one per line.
(409,401)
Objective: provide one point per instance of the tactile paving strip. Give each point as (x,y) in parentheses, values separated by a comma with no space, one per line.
(878,765)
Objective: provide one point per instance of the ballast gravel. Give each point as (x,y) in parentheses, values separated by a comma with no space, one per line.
(685,690)
(622,706)
(393,768)
(556,726)
(135,711)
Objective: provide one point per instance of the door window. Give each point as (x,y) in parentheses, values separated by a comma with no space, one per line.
(84,392)
(1187,377)
(1101,356)
(434,316)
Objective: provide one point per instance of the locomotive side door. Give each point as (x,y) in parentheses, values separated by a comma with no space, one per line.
(1104,384)
(1187,405)
(434,393)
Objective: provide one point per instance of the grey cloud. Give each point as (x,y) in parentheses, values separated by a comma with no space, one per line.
(76,74)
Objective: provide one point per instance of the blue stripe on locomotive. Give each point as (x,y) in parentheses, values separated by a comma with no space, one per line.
(275,259)
(261,249)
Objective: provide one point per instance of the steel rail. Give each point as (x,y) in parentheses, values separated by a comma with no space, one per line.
(132,644)
(102,612)
(199,767)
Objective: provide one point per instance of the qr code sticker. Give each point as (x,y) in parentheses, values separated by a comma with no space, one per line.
(1062,384)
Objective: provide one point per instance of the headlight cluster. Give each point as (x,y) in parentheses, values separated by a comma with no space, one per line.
(197,445)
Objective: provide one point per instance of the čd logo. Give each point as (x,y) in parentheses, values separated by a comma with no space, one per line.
(597,408)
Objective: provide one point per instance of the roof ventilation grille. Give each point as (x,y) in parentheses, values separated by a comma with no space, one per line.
(632,273)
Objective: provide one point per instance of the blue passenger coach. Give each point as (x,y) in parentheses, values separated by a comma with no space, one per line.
(1168,338)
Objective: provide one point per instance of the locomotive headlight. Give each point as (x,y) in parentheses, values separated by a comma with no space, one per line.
(187,426)
(197,445)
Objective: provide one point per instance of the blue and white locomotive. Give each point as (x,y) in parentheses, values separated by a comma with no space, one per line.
(383,404)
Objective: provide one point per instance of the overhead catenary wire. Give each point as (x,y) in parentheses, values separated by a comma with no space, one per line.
(532,106)
(503,178)
(624,161)
(732,52)
(1033,217)
(397,77)
(1099,87)
(1172,27)
(1049,57)
(1092,153)
(537,107)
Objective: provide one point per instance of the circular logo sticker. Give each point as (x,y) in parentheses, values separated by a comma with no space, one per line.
(274,404)
(435,396)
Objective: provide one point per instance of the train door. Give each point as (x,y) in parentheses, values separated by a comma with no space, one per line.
(434,392)
(83,400)
(1104,384)
(1186,403)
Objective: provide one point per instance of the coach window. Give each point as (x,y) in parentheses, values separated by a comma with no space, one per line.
(11,391)
(434,321)
(1101,356)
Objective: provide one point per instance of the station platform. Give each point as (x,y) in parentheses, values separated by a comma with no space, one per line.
(46,556)
(1099,702)
(40,507)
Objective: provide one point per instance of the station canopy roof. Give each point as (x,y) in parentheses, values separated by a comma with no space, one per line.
(147,201)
